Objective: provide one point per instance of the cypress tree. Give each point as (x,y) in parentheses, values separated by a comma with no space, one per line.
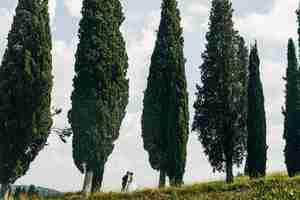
(242,88)
(256,123)
(219,120)
(165,114)
(292,113)
(25,90)
(100,93)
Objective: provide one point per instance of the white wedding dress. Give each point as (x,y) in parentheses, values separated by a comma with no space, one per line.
(132,187)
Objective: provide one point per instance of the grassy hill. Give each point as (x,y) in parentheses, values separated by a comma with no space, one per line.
(274,187)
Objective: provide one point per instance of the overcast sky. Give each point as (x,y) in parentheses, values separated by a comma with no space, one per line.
(271,22)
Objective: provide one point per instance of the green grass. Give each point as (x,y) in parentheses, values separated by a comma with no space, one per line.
(273,187)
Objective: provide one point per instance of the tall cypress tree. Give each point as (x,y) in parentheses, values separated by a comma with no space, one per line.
(165,114)
(219,120)
(100,93)
(256,123)
(242,88)
(25,90)
(292,113)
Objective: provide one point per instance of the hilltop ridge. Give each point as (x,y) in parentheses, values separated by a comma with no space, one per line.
(273,187)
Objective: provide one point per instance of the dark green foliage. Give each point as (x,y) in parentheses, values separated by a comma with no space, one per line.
(32,191)
(242,78)
(292,113)
(100,93)
(17,193)
(220,108)
(25,90)
(256,123)
(165,115)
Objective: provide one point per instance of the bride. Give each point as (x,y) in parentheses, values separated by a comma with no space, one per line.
(131,186)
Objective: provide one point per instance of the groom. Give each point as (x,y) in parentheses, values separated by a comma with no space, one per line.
(126,181)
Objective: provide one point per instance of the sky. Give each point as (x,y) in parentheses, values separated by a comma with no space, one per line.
(270,22)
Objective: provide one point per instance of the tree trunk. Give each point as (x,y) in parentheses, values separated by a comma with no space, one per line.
(97,180)
(229,170)
(172,182)
(87,183)
(4,190)
(246,170)
(162,179)
(176,182)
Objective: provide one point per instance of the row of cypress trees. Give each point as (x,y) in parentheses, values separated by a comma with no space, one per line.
(229,110)
(100,91)
(227,129)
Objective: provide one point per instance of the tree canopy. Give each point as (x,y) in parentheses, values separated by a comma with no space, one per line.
(25,90)
(220,111)
(292,112)
(165,115)
(256,123)
(100,93)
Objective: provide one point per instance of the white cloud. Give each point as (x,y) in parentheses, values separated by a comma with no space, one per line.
(277,26)
(140,45)
(194,16)
(63,71)
(73,7)
(197,9)
(52,8)
(5,23)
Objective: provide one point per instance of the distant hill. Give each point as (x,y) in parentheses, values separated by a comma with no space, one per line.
(43,192)
(273,187)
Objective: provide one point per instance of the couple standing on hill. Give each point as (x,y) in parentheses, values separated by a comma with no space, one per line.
(127,182)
